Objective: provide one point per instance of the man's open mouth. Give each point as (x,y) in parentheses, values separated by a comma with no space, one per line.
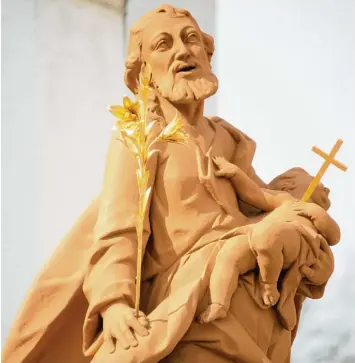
(186,69)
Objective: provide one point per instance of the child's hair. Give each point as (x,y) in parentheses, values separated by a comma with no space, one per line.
(287,180)
(296,181)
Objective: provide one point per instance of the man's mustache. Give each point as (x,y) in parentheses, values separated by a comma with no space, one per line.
(180,66)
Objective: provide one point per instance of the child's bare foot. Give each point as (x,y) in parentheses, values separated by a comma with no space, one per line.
(269,293)
(213,312)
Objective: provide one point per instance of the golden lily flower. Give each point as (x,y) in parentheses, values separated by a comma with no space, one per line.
(128,112)
(174,132)
(136,133)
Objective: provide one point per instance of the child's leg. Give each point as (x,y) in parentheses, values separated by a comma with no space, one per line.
(274,245)
(234,258)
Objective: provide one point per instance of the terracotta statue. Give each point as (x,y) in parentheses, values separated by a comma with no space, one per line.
(81,306)
(272,244)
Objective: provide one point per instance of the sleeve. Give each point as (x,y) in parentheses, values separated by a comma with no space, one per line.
(111,273)
(244,151)
(243,157)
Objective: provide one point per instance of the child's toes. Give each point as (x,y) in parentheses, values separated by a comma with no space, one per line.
(213,312)
(204,318)
(266,300)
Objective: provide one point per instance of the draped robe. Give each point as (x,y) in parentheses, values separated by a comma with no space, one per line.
(190,211)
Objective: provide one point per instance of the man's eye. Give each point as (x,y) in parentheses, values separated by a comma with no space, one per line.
(162,45)
(192,37)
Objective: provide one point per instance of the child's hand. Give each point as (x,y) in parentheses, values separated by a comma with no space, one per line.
(226,169)
(283,198)
(309,210)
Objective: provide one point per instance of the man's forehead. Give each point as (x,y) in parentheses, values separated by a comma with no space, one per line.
(166,24)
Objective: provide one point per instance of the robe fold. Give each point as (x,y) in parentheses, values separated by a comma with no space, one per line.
(190,210)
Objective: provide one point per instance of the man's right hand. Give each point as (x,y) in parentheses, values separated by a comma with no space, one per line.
(120,324)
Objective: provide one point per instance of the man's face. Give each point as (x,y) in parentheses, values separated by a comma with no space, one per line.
(175,50)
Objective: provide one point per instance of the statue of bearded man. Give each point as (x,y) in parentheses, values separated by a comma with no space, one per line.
(81,306)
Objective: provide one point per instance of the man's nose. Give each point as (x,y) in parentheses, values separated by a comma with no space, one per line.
(182,52)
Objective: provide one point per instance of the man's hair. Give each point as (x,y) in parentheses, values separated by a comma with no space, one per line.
(134,59)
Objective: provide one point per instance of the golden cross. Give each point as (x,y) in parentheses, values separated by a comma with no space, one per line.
(328,159)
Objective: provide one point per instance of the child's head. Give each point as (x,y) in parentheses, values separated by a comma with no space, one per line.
(296,181)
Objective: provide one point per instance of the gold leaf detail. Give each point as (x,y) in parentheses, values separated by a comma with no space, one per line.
(174,132)
(145,200)
(128,112)
(145,75)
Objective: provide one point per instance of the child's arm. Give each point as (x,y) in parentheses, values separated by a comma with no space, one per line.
(323,222)
(247,190)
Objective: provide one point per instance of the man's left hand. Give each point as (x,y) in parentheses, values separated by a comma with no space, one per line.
(309,210)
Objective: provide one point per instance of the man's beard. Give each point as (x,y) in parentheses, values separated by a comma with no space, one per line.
(187,90)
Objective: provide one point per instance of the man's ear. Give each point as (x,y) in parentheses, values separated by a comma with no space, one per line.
(131,76)
(209,45)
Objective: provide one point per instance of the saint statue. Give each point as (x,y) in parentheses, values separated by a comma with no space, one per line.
(225,269)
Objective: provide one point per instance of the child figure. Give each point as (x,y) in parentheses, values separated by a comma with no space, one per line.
(271,243)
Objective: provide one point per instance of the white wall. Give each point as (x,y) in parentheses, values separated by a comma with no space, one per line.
(62,65)
(287,78)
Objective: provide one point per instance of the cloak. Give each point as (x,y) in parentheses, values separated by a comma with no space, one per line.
(51,321)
